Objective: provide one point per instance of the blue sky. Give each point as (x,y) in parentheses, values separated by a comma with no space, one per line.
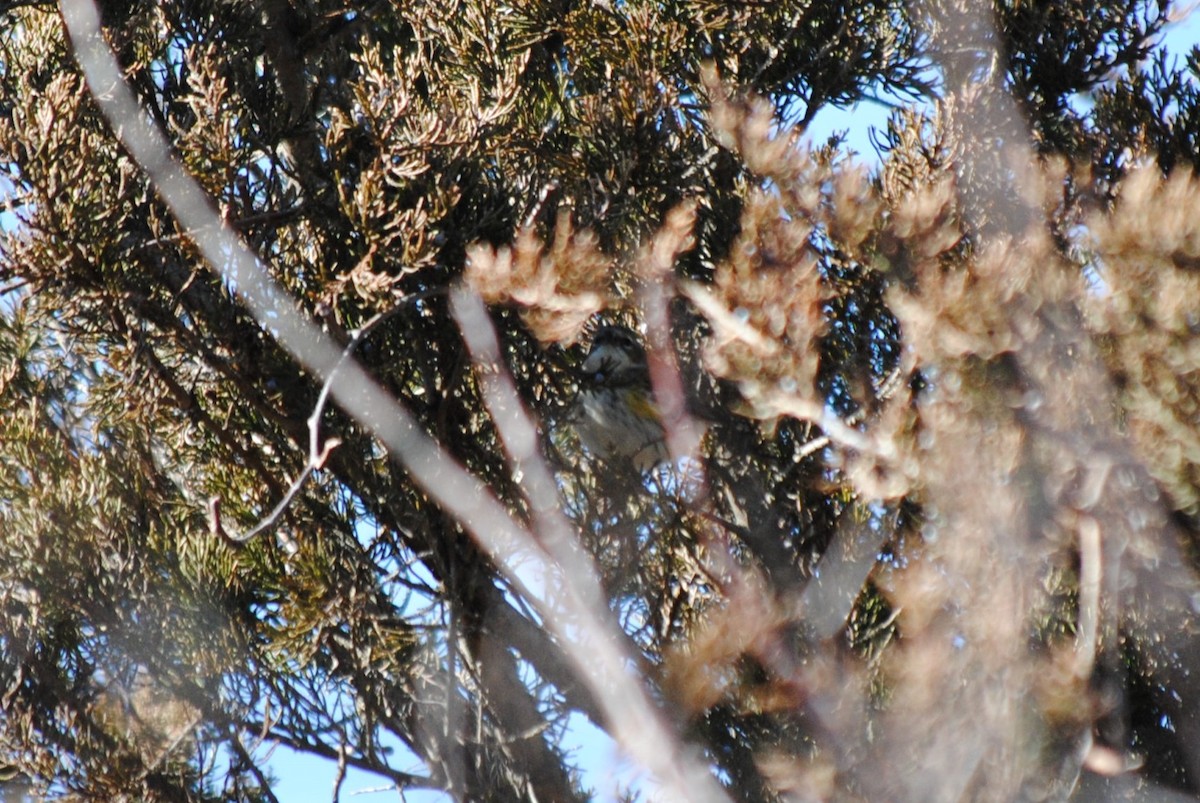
(858,121)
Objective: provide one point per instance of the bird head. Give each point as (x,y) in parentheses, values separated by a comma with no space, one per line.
(616,359)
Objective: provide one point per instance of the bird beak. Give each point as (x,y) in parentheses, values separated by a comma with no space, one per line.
(594,362)
(598,362)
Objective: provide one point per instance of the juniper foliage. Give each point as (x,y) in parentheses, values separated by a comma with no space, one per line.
(939,539)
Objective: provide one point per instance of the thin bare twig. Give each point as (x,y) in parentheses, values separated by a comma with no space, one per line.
(217,527)
(683,432)
(1090,568)
(536,210)
(513,548)
(339,777)
(318,451)
(235,740)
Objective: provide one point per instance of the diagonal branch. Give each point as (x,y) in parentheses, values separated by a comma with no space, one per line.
(582,623)
(513,548)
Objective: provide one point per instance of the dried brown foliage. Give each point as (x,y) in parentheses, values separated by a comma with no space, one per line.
(557,290)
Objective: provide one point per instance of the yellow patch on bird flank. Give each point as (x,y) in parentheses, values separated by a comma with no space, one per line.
(642,406)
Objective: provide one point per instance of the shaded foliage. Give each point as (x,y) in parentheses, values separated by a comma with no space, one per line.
(942,517)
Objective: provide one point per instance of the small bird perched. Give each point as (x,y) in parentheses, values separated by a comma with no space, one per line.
(617,417)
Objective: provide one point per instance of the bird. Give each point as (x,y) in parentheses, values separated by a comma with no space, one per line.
(617,417)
